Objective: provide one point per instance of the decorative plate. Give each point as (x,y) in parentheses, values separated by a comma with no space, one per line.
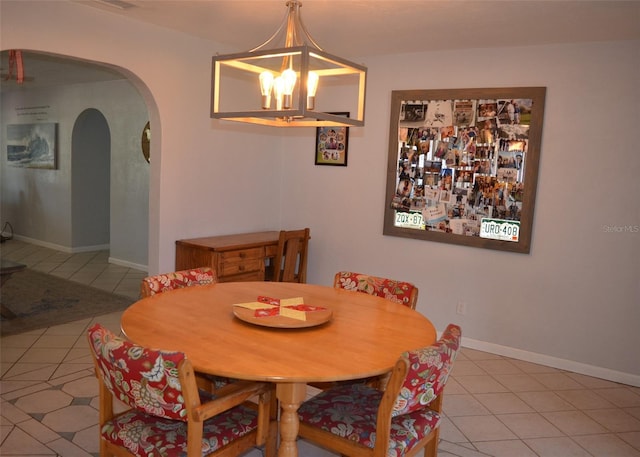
(313,318)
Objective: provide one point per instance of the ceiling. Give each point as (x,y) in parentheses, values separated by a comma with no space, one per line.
(43,70)
(358,29)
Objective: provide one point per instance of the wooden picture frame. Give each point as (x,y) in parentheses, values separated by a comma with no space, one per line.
(463,166)
(332,144)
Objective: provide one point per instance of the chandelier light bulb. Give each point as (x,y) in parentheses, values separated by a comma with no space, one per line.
(266,83)
(278,91)
(312,87)
(289,82)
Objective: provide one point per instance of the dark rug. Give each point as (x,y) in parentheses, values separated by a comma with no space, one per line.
(40,300)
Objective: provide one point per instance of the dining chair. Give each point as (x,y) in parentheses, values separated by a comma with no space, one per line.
(152,285)
(358,420)
(290,262)
(167,414)
(396,291)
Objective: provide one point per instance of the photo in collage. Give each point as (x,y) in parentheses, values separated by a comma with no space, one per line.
(462,160)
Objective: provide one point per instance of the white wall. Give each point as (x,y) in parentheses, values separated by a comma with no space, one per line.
(576,297)
(572,302)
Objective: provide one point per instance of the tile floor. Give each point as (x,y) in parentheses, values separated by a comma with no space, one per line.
(89,268)
(494,406)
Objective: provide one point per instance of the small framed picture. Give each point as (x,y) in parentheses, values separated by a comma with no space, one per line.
(332,144)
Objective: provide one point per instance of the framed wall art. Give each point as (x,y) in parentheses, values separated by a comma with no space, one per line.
(32,145)
(332,144)
(463,166)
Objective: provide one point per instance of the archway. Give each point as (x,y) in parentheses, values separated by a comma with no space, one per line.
(90,180)
(124,105)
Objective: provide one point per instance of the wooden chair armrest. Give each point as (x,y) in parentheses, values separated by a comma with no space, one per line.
(229,396)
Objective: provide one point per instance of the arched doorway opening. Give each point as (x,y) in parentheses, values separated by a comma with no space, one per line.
(90,180)
(72,210)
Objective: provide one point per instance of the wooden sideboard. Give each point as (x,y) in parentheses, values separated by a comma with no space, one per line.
(241,257)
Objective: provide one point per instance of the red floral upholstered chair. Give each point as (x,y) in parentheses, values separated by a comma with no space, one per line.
(152,285)
(358,420)
(167,416)
(396,291)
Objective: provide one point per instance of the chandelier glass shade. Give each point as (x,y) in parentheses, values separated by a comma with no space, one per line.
(288,81)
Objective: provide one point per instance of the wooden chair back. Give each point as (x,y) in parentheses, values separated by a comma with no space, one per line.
(391,289)
(152,285)
(290,262)
(416,386)
(161,391)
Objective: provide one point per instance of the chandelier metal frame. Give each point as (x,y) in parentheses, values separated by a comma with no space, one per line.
(235,92)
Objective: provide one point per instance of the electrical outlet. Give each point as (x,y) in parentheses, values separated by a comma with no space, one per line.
(461,308)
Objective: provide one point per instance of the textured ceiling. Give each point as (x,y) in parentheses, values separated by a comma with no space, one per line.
(361,29)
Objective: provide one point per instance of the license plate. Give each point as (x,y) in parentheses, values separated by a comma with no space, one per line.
(500,229)
(409,220)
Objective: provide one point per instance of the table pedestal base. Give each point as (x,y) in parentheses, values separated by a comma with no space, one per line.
(290,395)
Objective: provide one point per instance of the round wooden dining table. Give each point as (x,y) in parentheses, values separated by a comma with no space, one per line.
(364,337)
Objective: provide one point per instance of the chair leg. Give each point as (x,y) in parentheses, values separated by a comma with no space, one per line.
(431,449)
(271,445)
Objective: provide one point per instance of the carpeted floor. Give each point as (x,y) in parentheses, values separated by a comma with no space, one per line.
(40,300)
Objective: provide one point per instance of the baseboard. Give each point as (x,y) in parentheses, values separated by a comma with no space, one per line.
(97,247)
(70,250)
(555,362)
(45,244)
(125,263)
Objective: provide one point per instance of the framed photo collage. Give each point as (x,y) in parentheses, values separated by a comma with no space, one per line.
(463,166)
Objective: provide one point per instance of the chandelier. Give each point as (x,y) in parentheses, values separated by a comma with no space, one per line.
(288,81)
